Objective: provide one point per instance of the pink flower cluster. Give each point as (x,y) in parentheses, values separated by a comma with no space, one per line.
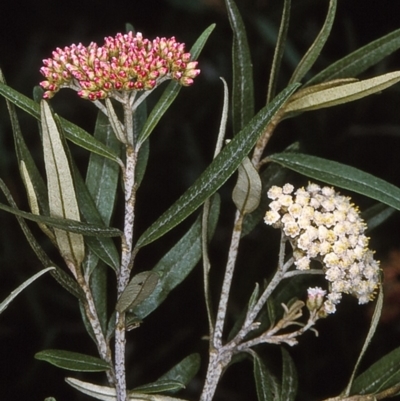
(124,63)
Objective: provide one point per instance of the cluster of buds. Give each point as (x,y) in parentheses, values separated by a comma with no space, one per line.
(325,226)
(124,63)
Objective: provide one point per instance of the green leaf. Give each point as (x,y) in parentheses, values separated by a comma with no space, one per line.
(266,385)
(139,119)
(62,198)
(347,92)
(20,288)
(216,174)
(376,215)
(289,377)
(314,51)
(383,374)
(341,176)
(184,371)
(73,360)
(171,92)
(177,263)
(374,324)
(242,87)
(279,50)
(247,191)
(65,224)
(139,288)
(158,386)
(74,133)
(360,60)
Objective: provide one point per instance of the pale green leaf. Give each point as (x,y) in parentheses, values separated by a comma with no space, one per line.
(139,288)
(159,386)
(314,51)
(360,60)
(73,360)
(178,262)
(242,87)
(216,174)
(341,175)
(62,198)
(289,377)
(266,385)
(345,93)
(20,288)
(247,191)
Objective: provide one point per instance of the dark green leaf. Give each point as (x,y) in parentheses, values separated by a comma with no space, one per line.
(176,264)
(72,360)
(158,386)
(139,288)
(184,371)
(360,60)
(74,133)
(242,87)
(383,374)
(139,119)
(313,52)
(98,285)
(279,50)
(376,215)
(216,174)
(341,175)
(289,377)
(266,385)
(171,92)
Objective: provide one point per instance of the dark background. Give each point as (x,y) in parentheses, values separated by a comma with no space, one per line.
(364,134)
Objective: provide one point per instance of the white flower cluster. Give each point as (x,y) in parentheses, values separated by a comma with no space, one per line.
(323,225)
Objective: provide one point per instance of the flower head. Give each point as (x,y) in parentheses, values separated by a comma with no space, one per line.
(323,225)
(123,63)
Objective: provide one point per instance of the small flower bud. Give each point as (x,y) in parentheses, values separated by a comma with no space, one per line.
(315,298)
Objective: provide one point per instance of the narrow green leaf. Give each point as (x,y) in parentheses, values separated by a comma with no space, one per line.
(98,285)
(383,374)
(289,377)
(266,385)
(374,324)
(247,191)
(345,93)
(242,87)
(65,224)
(184,371)
(360,60)
(341,176)
(178,262)
(139,119)
(20,288)
(171,92)
(158,386)
(72,360)
(376,215)
(279,50)
(216,174)
(74,133)
(139,288)
(313,52)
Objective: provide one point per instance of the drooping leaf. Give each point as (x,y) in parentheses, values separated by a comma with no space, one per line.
(266,385)
(279,50)
(62,198)
(171,92)
(74,133)
(72,360)
(20,288)
(383,374)
(341,175)
(313,52)
(217,172)
(177,263)
(360,60)
(139,288)
(183,371)
(242,87)
(158,386)
(345,93)
(289,377)
(247,191)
